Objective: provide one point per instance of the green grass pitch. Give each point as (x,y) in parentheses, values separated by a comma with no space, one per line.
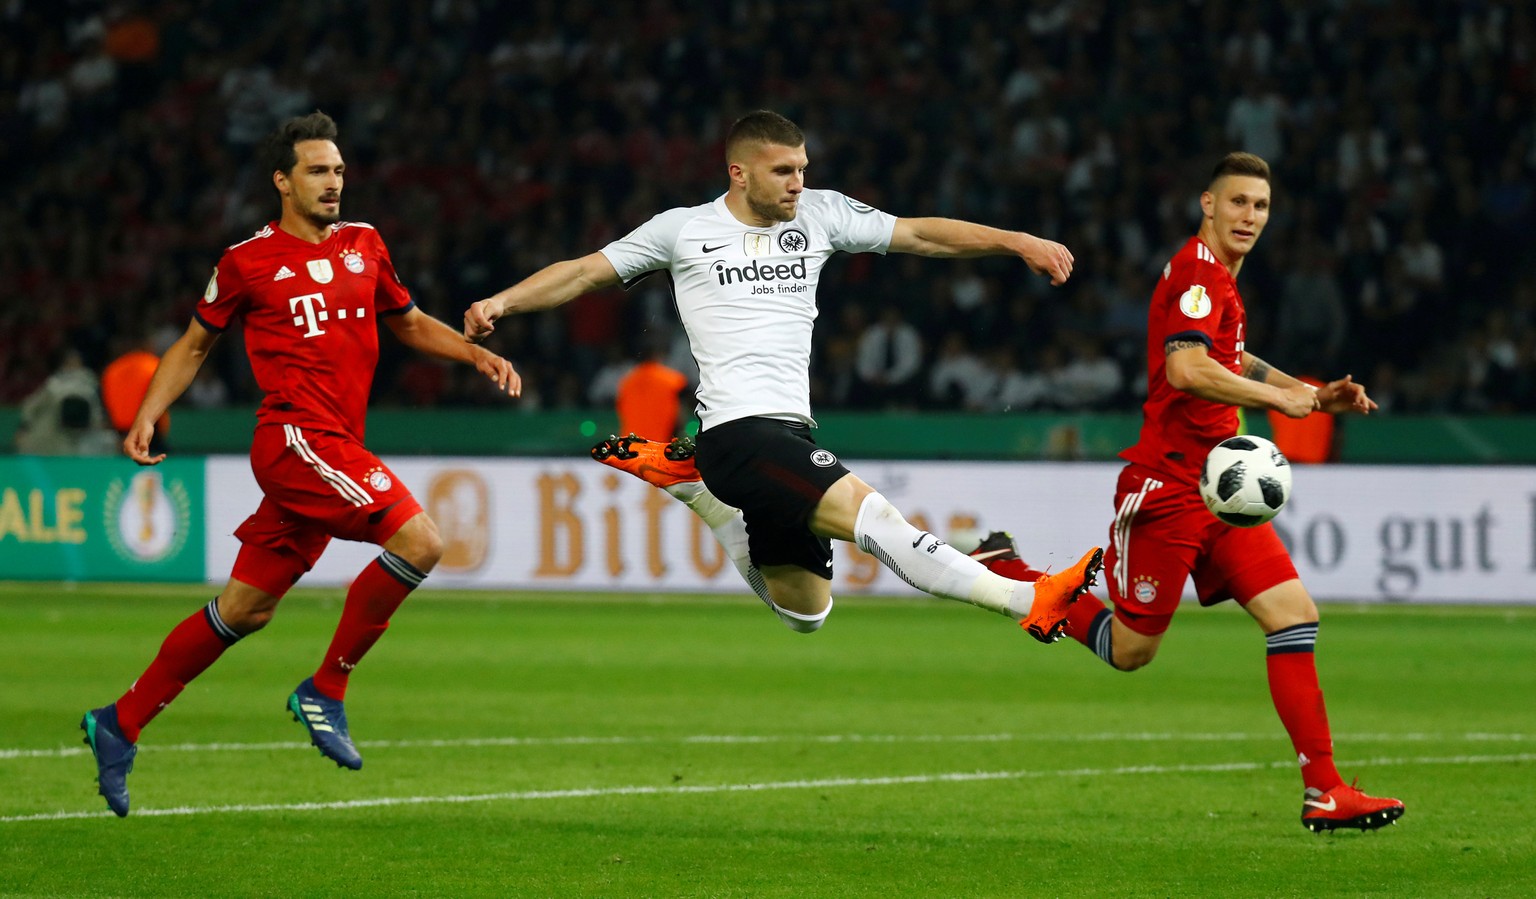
(582,745)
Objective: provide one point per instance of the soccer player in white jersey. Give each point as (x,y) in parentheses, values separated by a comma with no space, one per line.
(744,270)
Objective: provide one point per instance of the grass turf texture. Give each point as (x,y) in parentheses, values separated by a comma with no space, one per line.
(553,703)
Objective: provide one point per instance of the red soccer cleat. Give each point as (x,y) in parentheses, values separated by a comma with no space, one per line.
(1055,593)
(1346,806)
(1001,557)
(660,465)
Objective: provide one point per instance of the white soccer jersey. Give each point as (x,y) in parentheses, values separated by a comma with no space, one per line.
(747,295)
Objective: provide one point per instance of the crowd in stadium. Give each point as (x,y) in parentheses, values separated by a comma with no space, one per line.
(485,140)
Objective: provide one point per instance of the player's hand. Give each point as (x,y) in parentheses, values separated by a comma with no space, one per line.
(1298,401)
(136,444)
(480,320)
(500,371)
(1344,395)
(1047,257)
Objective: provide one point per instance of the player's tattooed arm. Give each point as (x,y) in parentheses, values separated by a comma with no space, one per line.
(1256,369)
(1173,346)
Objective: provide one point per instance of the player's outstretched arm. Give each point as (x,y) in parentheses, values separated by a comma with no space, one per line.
(551,286)
(1190,368)
(1335,397)
(425,334)
(952,238)
(174,375)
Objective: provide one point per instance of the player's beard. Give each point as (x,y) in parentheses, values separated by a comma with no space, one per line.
(772,210)
(321,216)
(768,207)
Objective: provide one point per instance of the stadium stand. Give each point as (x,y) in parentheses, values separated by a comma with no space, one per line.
(493,138)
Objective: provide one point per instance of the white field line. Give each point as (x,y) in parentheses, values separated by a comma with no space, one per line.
(819,784)
(473,742)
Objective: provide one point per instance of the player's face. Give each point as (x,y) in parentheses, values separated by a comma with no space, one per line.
(775,176)
(313,187)
(1236,211)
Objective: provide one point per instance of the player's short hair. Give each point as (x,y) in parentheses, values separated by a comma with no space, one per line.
(762,127)
(277,153)
(1240,163)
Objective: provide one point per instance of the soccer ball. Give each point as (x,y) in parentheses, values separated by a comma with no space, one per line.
(1246,480)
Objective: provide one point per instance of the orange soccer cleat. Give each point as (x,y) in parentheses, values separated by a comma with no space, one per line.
(1055,593)
(657,464)
(1346,806)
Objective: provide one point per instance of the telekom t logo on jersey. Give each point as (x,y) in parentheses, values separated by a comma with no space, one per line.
(315,312)
(312,316)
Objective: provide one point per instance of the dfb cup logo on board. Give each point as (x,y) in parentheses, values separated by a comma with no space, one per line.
(460,502)
(823,459)
(147,519)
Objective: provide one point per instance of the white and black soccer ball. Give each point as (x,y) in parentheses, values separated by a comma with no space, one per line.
(1246,481)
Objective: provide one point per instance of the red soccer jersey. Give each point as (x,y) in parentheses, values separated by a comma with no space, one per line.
(1196,300)
(309,311)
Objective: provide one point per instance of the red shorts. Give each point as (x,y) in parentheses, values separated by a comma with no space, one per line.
(1162,534)
(317,486)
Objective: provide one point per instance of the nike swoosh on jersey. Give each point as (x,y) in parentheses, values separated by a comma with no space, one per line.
(1328,806)
(710,249)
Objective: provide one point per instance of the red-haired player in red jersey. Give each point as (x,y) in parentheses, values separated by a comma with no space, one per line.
(1198,373)
(310,290)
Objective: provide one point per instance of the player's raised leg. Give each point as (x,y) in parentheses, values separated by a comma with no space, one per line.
(112,731)
(1290,622)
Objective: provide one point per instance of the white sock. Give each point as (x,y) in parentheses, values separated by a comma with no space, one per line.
(933,566)
(729,528)
(801,623)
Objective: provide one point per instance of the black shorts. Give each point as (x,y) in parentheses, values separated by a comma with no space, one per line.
(775,474)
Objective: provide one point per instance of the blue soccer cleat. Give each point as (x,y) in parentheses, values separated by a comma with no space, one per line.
(114,756)
(326,720)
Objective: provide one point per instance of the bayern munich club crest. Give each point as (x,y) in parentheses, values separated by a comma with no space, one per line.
(823,459)
(379,480)
(793,240)
(353,260)
(1145,590)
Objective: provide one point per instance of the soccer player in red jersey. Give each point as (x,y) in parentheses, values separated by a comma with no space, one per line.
(309,289)
(1198,373)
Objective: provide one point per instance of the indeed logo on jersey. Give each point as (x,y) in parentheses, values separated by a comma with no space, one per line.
(761,273)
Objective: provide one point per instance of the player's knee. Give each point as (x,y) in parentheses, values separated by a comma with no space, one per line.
(422,545)
(247,615)
(1131,658)
(253,621)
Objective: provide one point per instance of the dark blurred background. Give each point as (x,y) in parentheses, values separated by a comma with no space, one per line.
(485,140)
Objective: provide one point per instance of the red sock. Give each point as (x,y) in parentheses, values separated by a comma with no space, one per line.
(1080,618)
(374,596)
(1013,569)
(188,650)
(1299,701)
